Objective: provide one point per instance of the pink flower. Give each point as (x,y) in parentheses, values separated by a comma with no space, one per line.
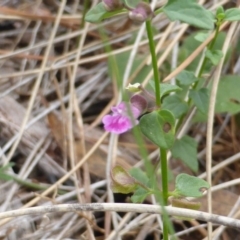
(124,115)
(121,120)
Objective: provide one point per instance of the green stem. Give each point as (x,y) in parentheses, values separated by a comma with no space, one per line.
(86,3)
(154,63)
(158,11)
(164,174)
(163,152)
(210,47)
(82,24)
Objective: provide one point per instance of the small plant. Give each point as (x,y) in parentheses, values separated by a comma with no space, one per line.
(160,124)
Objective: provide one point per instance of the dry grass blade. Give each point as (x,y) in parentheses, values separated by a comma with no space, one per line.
(211,118)
(44,16)
(139,208)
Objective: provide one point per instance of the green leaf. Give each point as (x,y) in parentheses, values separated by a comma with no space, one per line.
(5,176)
(98,13)
(189,46)
(201,99)
(159,127)
(122,182)
(186,77)
(185,149)
(214,56)
(228,97)
(201,36)
(190,186)
(189,11)
(166,88)
(175,104)
(232,14)
(139,175)
(139,195)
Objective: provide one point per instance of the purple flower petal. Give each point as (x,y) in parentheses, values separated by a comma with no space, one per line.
(136,112)
(120,121)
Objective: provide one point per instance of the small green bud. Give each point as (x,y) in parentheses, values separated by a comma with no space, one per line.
(220,10)
(220,14)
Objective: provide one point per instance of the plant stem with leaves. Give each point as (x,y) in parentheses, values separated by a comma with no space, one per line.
(202,67)
(154,62)
(163,152)
(210,47)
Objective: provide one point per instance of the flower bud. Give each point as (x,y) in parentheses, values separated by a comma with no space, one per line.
(139,102)
(134,87)
(141,13)
(111,5)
